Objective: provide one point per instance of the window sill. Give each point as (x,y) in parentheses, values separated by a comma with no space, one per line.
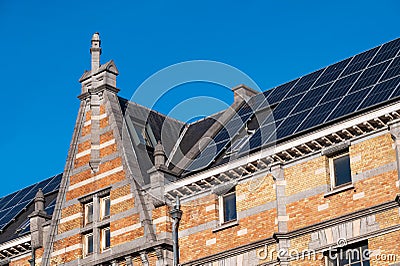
(88,255)
(339,189)
(105,250)
(225,226)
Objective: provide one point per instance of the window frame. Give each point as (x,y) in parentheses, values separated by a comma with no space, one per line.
(222,207)
(332,173)
(86,216)
(103,246)
(102,207)
(343,250)
(86,244)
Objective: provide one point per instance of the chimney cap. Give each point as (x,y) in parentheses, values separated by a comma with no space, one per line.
(96,37)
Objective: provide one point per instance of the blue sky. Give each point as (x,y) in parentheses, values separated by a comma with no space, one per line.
(45,49)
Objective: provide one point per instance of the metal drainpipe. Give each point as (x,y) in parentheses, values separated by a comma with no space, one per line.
(176,215)
(33,259)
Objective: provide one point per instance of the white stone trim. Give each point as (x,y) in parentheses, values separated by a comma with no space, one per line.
(95,147)
(15,242)
(210,207)
(97,177)
(358,196)
(323,207)
(281,183)
(162,219)
(98,117)
(242,232)
(355,159)
(241,197)
(284,218)
(320,171)
(211,241)
(121,199)
(67,249)
(87,123)
(71,217)
(125,230)
(82,153)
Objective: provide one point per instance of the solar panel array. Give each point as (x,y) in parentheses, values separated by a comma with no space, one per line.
(13,204)
(325,95)
(348,86)
(25,226)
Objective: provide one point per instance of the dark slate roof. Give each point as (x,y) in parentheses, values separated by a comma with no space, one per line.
(15,207)
(146,128)
(336,92)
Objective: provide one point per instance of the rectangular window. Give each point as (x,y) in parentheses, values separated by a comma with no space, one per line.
(340,170)
(105,207)
(228,207)
(88,213)
(105,238)
(88,244)
(357,255)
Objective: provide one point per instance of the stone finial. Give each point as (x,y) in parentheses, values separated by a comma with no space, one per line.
(95,51)
(39,200)
(159,155)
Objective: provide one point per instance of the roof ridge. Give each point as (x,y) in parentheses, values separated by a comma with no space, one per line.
(329,64)
(170,117)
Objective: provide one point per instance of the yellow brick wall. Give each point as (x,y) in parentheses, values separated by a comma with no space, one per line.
(306,175)
(374,153)
(255,192)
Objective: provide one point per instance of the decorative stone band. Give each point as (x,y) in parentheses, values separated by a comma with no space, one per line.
(95,147)
(162,219)
(121,199)
(95,117)
(65,250)
(125,230)
(97,177)
(71,217)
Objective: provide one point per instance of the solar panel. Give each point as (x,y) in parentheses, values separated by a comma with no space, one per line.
(380,92)
(13,204)
(227,133)
(348,104)
(277,94)
(360,61)
(332,72)
(318,115)
(305,83)
(348,86)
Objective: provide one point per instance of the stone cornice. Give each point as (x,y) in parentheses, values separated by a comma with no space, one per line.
(101,88)
(299,148)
